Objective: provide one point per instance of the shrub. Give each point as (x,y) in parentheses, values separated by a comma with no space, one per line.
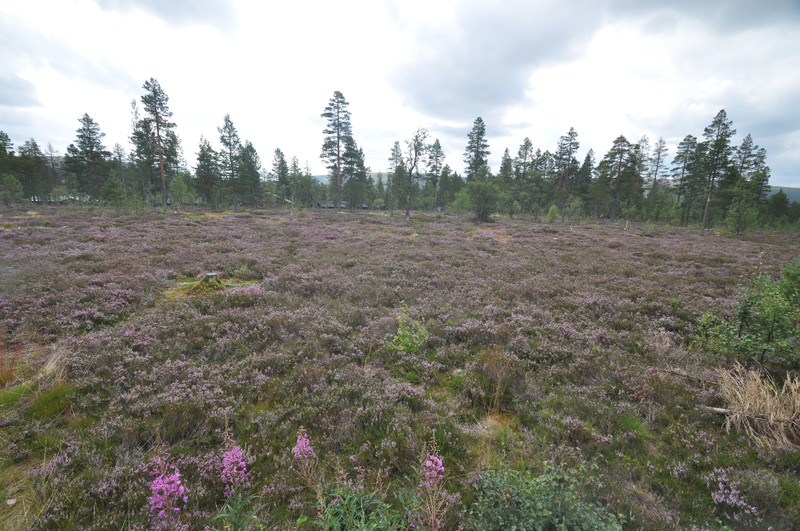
(411,335)
(553,214)
(764,327)
(350,506)
(506,499)
(483,196)
(494,372)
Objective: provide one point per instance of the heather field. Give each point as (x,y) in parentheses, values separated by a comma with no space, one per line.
(432,373)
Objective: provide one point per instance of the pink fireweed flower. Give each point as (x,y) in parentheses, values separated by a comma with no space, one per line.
(302,449)
(432,471)
(234,470)
(168,493)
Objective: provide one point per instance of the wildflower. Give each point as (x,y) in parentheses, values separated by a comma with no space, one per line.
(234,470)
(168,493)
(432,471)
(302,449)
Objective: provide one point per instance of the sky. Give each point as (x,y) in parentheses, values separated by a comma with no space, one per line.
(529,68)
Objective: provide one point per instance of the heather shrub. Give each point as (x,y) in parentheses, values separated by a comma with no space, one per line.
(556,499)
(309,330)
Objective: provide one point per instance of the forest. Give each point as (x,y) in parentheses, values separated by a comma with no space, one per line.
(710,180)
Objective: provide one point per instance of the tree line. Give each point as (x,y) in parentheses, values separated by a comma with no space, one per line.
(708,180)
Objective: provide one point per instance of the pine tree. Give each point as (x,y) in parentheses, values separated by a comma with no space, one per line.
(685,172)
(416,151)
(477,151)
(395,179)
(658,164)
(566,167)
(156,107)
(336,134)
(718,151)
(144,154)
(6,153)
(229,157)
(749,161)
(54,168)
(620,170)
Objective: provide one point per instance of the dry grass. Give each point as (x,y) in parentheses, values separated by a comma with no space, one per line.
(767,414)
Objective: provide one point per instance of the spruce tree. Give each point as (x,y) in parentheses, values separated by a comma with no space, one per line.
(477,151)
(87,157)
(280,169)
(207,173)
(435,163)
(249,173)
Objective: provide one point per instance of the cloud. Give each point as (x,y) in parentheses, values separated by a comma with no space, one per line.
(485,62)
(216,13)
(482,63)
(25,47)
(17,92)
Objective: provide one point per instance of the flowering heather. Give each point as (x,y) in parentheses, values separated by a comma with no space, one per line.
(728,496)
(541,343)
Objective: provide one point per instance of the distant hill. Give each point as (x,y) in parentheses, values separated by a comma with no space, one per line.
(792,193)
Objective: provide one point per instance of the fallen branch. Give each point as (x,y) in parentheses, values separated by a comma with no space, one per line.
(725,411)
(768,415)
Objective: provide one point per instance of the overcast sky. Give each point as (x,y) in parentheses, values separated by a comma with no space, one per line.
(529,68)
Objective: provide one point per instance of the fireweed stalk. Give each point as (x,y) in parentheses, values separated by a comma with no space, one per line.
(434,501)
(167,492)
(234,470)
(305,462)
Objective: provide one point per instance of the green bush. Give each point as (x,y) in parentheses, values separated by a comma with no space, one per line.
(506,499)
(411,335)
(484,198)
(763,328)
(553,214)
(350,506)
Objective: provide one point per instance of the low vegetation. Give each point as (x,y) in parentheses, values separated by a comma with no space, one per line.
(319,369)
